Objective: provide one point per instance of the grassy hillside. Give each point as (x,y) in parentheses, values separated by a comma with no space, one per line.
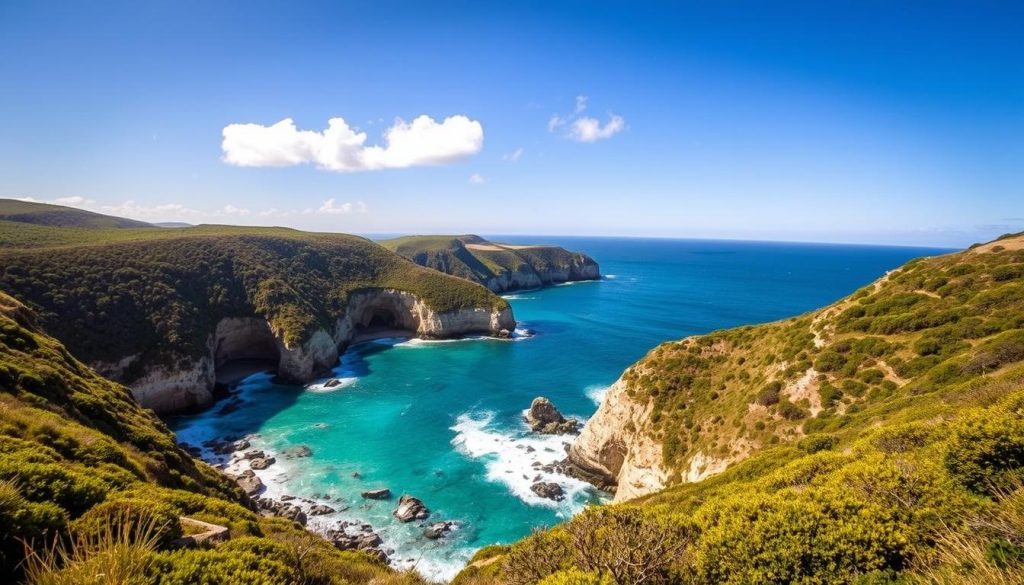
(83,466)
(498,266)
(109,293)
(877,440)
(61,216)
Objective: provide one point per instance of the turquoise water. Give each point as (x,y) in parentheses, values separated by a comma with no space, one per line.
(443,420)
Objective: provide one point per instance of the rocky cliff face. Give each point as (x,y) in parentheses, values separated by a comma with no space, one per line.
(169,389)
(573,267)
(499,267)
(613,450)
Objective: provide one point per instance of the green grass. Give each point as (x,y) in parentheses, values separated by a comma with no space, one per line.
(455,255)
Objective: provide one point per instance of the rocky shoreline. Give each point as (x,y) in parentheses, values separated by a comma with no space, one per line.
(340,518)
(236,458)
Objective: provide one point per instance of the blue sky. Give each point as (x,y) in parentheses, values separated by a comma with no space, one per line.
(871,121)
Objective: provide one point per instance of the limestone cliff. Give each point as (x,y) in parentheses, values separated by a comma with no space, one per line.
(499,267)
(613,451)
(191,383)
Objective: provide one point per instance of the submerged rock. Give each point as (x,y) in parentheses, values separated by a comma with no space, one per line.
(438,530)
(297,452)
(410,508)
(543,417)
(381,494)
(549,490)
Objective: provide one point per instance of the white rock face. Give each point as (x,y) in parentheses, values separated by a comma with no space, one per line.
(579,267)
(612,448)
(172,389)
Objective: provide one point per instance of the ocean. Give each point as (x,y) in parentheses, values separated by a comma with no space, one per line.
(442,420)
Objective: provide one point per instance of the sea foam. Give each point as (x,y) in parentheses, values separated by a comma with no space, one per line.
(514,459)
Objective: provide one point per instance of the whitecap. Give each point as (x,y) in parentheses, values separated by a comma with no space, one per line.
(346,373)
(514,459)
(596,393)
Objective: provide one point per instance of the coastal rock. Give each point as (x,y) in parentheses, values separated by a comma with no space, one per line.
(549,490)
(249,482)
(381,494)
(543,417)
(410,508)
(332,383)
(254,454)
(320,510)
(191,385)
(262,462)
(297,452)
(438,530)
(614,453)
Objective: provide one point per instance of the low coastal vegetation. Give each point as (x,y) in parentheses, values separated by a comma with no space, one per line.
(93,488)
(500,267)
(878,440)
(158,293)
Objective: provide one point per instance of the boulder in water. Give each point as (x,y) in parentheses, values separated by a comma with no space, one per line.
(262,462)
(410,508)
(543,417)
(438,530)
(549,490)
(381,494)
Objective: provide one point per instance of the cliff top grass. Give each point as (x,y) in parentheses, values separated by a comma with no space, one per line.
(109,293)
(877,440)
(79,459)
(59,215)
(480,260)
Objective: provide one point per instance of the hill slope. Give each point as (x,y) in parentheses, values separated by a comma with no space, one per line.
(163,309)
(61,216)
(79,456)
(877,440)
(499,267)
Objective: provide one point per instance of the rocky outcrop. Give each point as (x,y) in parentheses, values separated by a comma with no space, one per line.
(549,490)
(499,267)
(613,452)
(574,266)
(543,417)
(168,389)
(381,494)
(410,508)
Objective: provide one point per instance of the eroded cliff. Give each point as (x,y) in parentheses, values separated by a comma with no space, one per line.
(499,267)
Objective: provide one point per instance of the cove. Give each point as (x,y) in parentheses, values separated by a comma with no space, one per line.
(442,420)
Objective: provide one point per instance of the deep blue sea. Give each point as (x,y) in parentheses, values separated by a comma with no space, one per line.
(443,420)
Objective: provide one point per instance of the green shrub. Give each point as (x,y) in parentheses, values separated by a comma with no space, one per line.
(986,448)
(120,512)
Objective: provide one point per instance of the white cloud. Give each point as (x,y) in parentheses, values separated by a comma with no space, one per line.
(331,208)
(476,178)
(342,148)
(232,210)
(588,129)
(159,212)
(513,156)
(73,201)
(581,128)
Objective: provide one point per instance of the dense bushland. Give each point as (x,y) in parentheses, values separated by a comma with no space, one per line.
(160,292)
